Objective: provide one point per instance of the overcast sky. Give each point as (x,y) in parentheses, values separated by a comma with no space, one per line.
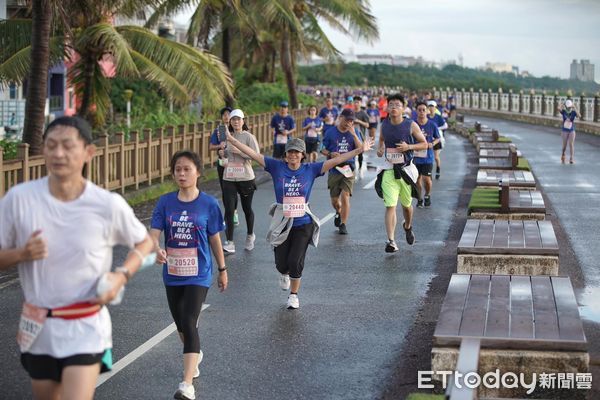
(540,36)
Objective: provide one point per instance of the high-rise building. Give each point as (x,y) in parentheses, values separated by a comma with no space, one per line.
(582,71)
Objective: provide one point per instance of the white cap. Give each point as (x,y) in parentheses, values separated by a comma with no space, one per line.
(569,103)
(431,103)
(236,113)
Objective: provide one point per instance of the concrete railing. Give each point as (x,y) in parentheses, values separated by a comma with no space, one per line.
(144,158)
(539,108)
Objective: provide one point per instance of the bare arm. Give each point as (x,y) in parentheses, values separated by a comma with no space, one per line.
(35,249)
(247,150)
(217,250)
(366,146)
(161,254)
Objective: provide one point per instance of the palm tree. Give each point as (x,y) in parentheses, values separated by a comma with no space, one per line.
(182,72)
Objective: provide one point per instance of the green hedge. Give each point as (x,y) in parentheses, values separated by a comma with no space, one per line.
(484,199)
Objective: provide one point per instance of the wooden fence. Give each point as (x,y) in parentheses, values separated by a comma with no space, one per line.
(143,159)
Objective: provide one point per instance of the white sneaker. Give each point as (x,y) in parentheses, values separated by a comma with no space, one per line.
(185,392)
(229,247)
(250,242)
(284,282)
(293,303)
(197,373)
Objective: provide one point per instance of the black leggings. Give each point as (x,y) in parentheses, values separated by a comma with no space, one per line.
(289,256)
(185,303)
(360,161)
(230,193)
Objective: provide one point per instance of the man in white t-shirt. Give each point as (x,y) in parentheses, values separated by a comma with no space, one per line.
(60,231)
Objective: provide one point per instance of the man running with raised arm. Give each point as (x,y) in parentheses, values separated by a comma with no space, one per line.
(398,139)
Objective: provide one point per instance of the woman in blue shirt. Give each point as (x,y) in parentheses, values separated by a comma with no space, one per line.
(293,227)
(312,127)
(191,221)
(568,113)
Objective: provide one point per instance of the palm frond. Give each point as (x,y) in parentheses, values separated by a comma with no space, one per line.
(15,35)
(99,88)
(199,72)
(103,38)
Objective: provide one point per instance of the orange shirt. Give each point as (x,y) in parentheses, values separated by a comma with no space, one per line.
(383,107)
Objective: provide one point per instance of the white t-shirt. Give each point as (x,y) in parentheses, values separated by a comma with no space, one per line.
(80,236)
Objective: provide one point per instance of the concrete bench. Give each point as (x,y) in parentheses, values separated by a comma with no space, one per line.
(527,324)
(518,204)
(493,145)
(510,162)
(496,153)
(508,247)
(517,179)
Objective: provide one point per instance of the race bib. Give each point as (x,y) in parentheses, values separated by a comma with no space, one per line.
(311,133)
(394,156)
(281,139)
(568,124)
(294,207)
(346,171)
(235,170)
(372,119)
(182,262)
(30,325)
(420,153)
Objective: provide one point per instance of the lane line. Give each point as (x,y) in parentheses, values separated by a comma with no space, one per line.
(370,185)
(327,218)
(141,350)
(8,283)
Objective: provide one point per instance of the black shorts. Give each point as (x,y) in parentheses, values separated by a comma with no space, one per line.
(278,150)
(312,147)
(437,146)
(424,169)
(373,125)
(47,367)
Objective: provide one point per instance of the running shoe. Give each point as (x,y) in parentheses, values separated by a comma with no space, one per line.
(391,247)
(342,229)
(419,203)
(236,218)
(185,392)
(427,201)
(284,282)
(410,236)
(571,161)
(337,220)
(250,242)
(437,173)
(293,303)
(197,373)
(229,247)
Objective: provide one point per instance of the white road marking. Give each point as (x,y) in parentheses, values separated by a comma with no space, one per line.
(326,218)
(141,350)
(370,185)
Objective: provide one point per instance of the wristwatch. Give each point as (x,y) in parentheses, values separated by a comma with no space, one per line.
(125,271)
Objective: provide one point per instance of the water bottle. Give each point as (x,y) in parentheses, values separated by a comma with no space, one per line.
(104,285)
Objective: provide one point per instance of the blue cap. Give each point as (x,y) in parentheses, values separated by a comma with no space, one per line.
(284,104)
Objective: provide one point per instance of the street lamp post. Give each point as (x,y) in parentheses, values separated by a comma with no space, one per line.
(128,94)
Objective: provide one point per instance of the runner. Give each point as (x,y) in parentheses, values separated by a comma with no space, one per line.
(423,159)
(339,140)
(361,124)
(191,221)
(328,114)
(569,112)
(283,127)
(374,118)
(312,127)
(239,179)
(293,226)
(218,145)
(382,104)
(435,115)
(398,139)
(60,231)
